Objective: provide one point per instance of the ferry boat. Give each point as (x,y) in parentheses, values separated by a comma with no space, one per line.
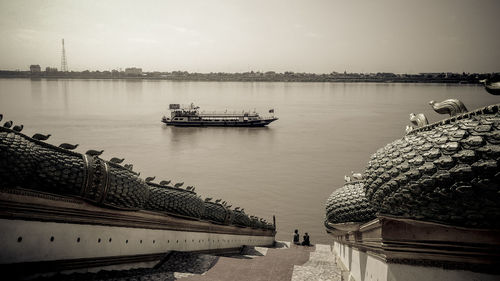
(191,116)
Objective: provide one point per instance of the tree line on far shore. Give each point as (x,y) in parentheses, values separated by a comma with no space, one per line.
(270,76)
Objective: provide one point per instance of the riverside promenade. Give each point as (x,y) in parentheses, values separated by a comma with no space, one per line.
(290,262)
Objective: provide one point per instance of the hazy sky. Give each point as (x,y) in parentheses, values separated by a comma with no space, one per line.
(236,36)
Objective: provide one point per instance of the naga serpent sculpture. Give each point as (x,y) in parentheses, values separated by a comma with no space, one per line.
(446,172)
(29,162)
(492,85)
(349,204)
(241,218)
(419,120)
(174,200)
(33,164)
(450,106)
(217,212)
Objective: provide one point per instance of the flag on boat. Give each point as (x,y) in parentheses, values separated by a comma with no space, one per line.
(271,110)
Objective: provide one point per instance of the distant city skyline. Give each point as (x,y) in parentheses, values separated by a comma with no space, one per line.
(240,36)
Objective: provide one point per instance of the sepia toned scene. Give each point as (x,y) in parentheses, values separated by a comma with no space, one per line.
(250,140)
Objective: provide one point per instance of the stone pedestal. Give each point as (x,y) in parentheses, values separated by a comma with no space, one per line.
(402,249)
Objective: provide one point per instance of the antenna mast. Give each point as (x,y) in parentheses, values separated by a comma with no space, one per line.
(64,64)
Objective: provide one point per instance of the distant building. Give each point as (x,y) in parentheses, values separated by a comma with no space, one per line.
(133,71)
(35,68)
(50,69)
(433,74)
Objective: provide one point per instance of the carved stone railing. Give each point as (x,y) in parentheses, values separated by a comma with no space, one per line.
(30,162)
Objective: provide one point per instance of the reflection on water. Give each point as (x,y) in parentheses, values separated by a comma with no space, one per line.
(36,89)
(134,89)
(288,169)
(182,137)
(65,90)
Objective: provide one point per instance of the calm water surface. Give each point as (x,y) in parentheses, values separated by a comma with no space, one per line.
(325,130)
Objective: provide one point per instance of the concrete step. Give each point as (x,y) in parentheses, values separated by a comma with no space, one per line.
(317,273)
(282,245)
(322,255)
(258,264)
(320,259)
(252,252)
(323,248)
(320,266)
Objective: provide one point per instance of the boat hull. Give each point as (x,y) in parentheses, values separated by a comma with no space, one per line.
(253,123)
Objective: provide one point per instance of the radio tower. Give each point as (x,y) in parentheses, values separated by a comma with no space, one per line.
(64,63)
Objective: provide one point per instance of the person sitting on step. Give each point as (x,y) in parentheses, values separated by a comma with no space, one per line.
(306,241)
(296,237)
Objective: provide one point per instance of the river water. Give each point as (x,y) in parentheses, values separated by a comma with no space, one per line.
(324,131)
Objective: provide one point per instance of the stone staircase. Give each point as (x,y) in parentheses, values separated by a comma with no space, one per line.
(256,264)
(284,262)
(320,267)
